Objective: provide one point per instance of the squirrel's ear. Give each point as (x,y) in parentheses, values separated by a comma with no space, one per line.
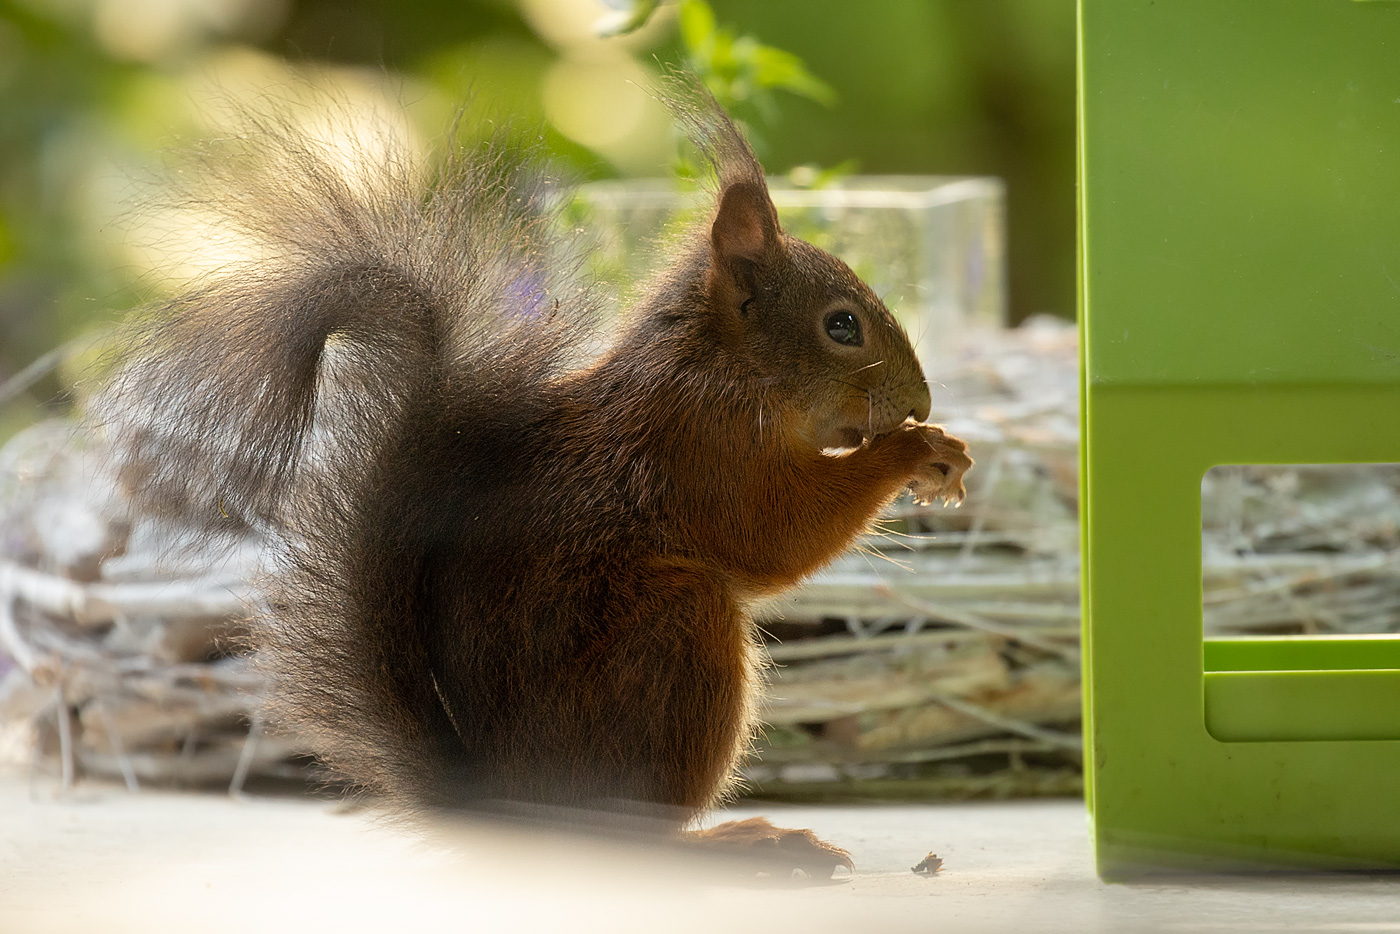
(745,231)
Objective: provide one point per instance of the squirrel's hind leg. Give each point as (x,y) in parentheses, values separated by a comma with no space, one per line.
(758,846)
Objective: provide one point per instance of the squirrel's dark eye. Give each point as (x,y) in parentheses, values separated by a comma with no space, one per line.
(844,328)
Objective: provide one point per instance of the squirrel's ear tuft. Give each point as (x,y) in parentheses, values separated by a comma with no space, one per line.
(745,228)
(745,231)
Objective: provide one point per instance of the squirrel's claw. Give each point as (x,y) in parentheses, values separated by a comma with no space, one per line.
(941,477)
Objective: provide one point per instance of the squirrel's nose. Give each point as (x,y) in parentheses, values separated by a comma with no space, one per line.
(921,402)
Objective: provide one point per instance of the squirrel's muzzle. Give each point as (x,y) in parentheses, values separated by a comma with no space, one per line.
(894,406)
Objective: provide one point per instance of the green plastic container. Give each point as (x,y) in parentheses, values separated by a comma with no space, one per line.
(1239,169)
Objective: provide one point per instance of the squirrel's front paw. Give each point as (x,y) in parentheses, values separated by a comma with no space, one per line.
(941,474)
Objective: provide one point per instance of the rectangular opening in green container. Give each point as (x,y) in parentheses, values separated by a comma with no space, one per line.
(1300,549)
(1300,571)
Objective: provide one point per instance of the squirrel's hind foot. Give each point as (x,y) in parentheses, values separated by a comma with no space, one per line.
(756,845)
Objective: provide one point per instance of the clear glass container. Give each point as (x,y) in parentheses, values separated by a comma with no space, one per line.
(932,247)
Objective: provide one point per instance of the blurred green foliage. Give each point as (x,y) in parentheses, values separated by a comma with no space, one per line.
(92,91)
(743,74)
(739,69)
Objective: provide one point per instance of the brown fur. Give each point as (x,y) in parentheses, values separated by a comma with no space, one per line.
(506,575)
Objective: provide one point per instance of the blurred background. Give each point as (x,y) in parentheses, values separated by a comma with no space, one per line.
(94,92)
(951,669)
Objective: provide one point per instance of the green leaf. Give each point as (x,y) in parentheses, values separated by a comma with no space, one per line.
(741,72)
(777,68)
(697,25)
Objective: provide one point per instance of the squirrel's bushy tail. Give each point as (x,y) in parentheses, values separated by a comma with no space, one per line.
(386,305)
(371,280)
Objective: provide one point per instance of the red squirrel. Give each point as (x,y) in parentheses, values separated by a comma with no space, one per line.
(509,570)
